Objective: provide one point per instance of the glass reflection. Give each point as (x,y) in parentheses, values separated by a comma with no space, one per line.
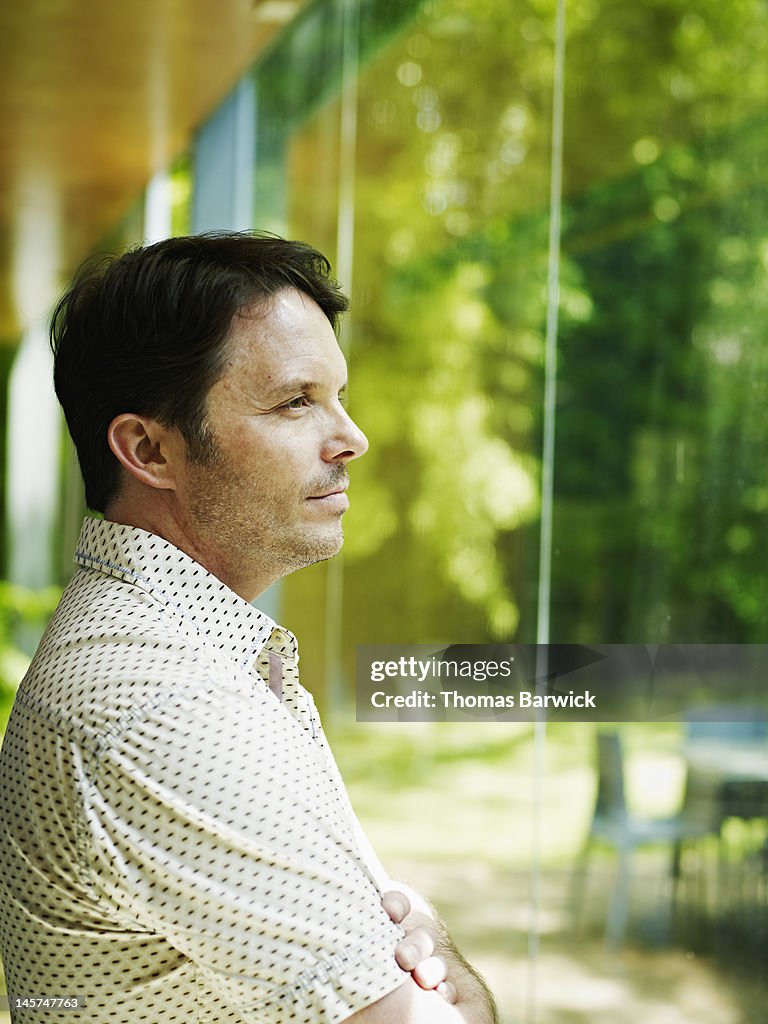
(660,494)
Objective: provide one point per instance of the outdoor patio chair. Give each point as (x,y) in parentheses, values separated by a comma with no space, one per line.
(613,823)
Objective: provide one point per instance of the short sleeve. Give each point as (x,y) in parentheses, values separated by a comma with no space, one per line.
(215,822)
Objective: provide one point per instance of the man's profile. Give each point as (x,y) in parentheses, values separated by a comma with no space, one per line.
(177,844)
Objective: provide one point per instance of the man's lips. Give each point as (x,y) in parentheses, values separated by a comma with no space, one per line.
(335,500)
(327,494)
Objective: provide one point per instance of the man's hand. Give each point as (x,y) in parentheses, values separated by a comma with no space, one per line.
(459,983)
(415,952)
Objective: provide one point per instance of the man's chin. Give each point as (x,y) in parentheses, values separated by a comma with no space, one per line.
(327,547)
(320,548)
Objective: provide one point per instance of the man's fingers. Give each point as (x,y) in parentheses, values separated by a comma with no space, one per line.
(448,991)
(396,905)
(414,948)
(430,972)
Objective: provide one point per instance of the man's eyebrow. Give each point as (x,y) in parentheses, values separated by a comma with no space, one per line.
(296,385)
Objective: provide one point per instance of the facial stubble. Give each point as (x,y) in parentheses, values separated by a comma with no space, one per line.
(248,535)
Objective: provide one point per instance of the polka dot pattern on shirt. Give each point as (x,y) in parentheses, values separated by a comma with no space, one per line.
(177,844)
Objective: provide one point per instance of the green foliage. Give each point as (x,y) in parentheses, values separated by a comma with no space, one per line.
(662,411)
(19,608)
(443,376)
(660,497)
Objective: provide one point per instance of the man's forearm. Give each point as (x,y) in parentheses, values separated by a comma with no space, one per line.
(474,999)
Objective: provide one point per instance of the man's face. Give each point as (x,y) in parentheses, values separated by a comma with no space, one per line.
(271,499)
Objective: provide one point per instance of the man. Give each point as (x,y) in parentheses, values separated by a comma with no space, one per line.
(177,843)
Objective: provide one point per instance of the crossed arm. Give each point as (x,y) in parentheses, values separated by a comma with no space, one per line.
(442,989)
(243,943)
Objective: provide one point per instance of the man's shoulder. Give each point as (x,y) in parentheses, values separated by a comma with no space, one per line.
(97,613)
(110,648)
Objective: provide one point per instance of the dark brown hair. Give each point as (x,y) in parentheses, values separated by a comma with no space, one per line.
(145,332)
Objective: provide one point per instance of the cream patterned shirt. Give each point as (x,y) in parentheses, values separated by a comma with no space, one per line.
(177,844)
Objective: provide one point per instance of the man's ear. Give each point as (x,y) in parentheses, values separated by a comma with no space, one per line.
(145,449)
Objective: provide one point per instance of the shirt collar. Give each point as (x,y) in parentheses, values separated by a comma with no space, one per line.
(218,614)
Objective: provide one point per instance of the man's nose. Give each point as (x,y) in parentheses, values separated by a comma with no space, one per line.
(349,443)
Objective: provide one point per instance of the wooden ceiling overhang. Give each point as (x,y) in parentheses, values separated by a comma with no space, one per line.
(94,100)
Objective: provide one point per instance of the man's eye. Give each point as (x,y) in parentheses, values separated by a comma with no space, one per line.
(300,402)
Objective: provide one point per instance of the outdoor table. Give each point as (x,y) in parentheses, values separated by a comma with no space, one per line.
(733,775)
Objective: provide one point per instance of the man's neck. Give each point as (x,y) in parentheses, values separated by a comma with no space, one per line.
(162,520)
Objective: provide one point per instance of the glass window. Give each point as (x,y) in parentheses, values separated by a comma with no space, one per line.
(412,142)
